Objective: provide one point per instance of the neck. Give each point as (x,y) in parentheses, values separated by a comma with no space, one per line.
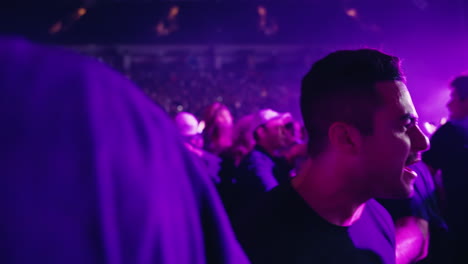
(328,191)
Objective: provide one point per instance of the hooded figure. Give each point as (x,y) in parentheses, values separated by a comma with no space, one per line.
(91,171)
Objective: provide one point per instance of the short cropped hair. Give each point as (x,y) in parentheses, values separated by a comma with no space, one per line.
(341,88)
(460,85)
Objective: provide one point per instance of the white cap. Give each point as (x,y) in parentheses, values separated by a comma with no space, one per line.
(187,124)
(265,115)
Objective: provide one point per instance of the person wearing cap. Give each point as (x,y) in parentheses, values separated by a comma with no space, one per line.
(362,136)
(191,130)
(261,170)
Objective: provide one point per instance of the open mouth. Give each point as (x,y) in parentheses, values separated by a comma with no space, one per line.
(411,172)
(412,159)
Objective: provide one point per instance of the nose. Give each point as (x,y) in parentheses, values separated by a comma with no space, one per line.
(419,141)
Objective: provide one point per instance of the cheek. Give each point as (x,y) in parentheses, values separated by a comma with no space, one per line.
(401,150)
(392,149)
(400,145)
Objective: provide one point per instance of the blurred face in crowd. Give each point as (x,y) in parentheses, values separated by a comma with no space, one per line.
(457,106)
(293,131)
(273,133)
(396,142)
(225,125)
(195,140)
(224,117)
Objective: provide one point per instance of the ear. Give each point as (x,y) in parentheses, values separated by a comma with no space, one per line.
(345,138)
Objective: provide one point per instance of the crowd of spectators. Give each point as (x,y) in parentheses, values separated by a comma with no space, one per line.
(187,85)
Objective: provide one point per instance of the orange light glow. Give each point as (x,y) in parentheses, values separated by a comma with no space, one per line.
(351,12)
(261,11)
(81,11)
(55,28)
(173,12)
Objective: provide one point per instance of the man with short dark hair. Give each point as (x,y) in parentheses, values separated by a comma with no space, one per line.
(449,154)
(363,133)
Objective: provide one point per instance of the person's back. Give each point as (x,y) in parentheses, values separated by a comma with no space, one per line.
(449,154)
(93,172)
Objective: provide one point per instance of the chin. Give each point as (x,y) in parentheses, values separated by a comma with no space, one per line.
(405,191)
(408,193)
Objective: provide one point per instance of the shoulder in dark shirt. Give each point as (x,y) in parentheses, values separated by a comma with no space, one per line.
(282,228)
(449,149)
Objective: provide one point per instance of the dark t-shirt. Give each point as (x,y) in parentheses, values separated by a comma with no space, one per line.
(449,153)
(282,228)
(258,173)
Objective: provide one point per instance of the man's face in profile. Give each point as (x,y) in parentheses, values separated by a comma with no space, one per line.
(394,145)
(274,133)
